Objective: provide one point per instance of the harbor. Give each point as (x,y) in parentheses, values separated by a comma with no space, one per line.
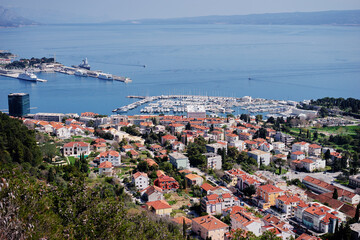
(81,70)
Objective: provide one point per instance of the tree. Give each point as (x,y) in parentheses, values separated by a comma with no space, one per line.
(249,191)
(188,126)
(315,136)
(184,228)
(143,166)
(327,154)
(335,194)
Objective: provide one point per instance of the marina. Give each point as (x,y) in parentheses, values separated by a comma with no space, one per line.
(213,105)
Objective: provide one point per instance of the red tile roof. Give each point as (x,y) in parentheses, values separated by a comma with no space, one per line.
(157,205)
(105,164)
(210,223)
(270,188)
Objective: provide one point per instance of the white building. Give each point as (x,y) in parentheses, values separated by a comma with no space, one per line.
(111,156)
(106,168)
(196,111)
(287,203)
(300,146)
(213,161)
(76,149)
(239,145)
(313,164)
(260,156)
(140,180)
(216,203)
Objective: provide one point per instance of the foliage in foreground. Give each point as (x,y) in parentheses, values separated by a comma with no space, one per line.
(31,208)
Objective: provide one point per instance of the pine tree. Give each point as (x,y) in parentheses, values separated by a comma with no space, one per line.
(335,194)
(184,228)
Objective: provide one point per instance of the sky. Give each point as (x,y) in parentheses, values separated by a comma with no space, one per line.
(48,11)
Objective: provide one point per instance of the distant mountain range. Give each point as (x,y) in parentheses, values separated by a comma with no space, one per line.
(8,18)
(343,17)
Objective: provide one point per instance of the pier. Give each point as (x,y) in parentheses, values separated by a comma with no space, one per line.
(16,75)
(90,73)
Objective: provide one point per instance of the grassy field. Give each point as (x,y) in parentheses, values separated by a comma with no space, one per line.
(340,130)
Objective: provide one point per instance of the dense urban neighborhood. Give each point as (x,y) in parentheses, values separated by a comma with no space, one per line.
(231,177)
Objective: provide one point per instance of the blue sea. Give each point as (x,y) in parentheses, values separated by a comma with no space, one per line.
(284,62)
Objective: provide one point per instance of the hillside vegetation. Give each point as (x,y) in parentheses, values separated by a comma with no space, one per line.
(38,200)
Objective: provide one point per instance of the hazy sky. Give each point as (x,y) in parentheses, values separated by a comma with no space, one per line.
(105,10)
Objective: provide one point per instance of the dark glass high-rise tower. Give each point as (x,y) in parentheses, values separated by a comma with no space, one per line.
(19,104)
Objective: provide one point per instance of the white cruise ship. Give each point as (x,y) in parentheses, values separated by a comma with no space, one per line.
(105,76)
(28,76)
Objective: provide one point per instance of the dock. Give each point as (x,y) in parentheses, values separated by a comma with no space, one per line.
(90,73)
(16,75)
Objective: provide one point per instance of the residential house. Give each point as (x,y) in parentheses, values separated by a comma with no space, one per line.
(106,168)
(151,162)
(176,127)
(160,207)
(246,180)
(76,149)
(314,150)
(311,165)
(298,155)
(232,175)
(250,144)
(179,161)
(245,136)
(239,145)
(194,179)
(267,195)
(140,146)
(231,137)
(318,217)
(209,227)
(166,183)
(127,148)
(110,156)
(99,147)
(214,147)
(300,146)
(178,146)
(216,203)
(265,146)
(140,180)
(287,203)
(168,138)
(241,218)
(152,193)
(278,147)
(213,161)
(263,158)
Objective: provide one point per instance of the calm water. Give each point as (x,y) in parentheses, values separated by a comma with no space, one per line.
(285,62)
